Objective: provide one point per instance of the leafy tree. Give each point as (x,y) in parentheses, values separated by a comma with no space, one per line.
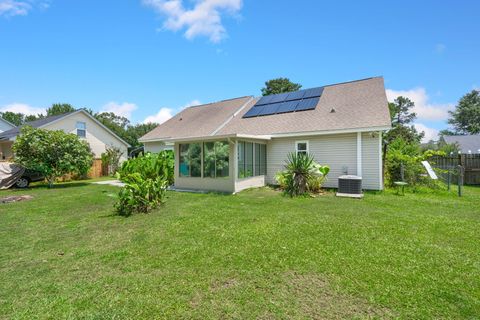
(53,153)
(59,108)
(402,119)
(134,132)
(18,118)
(279,85)
(446,132)
(14,118)
(117,124)
(466,117)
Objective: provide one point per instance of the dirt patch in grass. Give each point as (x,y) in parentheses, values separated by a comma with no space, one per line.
(316,299)
(15,199)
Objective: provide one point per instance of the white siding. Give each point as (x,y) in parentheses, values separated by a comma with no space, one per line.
(156,147)
(371,161)
(338,151)
(96,135)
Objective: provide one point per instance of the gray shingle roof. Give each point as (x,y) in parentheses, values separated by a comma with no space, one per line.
(360,104)
(466,143)
(36,124)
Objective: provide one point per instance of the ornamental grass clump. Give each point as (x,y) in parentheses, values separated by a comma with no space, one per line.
(302,175)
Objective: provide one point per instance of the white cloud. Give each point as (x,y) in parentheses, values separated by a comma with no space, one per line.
(204,19)
(160,117)
(430,133)
(424,109)
(192,104)
(165,114)
(22,108)
(122,109)
(10,8)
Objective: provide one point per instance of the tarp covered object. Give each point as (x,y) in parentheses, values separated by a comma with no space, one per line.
(9,174)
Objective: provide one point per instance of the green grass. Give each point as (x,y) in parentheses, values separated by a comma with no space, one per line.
(252,255)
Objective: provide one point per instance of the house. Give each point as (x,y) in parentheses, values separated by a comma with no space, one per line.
(241,143)
(5,125)
(79,122)
(468,144)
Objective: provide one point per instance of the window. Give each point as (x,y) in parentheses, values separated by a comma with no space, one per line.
(301,147)
(190,160)
(216,159)
(252,159)
(81,129)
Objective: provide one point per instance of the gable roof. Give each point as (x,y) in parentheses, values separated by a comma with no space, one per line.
(351,106)
(466,143)
(7,122)
(40,123)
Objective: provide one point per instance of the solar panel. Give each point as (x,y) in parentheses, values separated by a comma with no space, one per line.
(278,97)
(297,95)
(314,92)
(253,112)
(288,106)
(264,100)
(307,104)
(269,109)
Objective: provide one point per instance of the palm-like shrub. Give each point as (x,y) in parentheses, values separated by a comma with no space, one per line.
(302,174)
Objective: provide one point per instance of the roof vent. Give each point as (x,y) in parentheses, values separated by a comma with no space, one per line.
(333,110)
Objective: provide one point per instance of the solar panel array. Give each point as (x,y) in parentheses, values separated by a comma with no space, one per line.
(286,102)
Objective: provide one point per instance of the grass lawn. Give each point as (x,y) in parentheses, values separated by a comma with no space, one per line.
(252,255)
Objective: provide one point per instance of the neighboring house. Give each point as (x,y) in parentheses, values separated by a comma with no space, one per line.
(241,143)
(5,125)
(469,144)
(77,122)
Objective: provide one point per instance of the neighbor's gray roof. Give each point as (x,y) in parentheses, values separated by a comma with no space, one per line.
(35,124)
(466,143)
(360,104)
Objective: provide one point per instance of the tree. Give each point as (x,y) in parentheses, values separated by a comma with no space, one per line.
(279,85)
(402,119)
(446,132)
(117,124)
(52,153)
(59,108)
(134,132)
(465,119)
(19,118)
(14,118)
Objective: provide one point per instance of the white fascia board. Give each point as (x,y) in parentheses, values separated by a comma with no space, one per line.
(325,132)
(209,138)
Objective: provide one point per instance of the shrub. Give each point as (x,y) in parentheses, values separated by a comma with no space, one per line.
(401,154)
(111,159)
(146,180)
(150,166)
(52,153)
(301,175)
(140,194)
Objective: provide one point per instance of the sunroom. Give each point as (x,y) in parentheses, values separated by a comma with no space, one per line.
(228,163)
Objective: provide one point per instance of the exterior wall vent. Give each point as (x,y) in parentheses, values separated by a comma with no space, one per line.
(350,186)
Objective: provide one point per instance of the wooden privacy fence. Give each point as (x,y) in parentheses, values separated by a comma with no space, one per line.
(470,162)
(97,170)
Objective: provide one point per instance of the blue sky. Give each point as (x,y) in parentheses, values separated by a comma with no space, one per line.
(147,59)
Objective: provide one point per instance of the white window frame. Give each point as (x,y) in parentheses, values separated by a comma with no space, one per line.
(302,141)
(84,129)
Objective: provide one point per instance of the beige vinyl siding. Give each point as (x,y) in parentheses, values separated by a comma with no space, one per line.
(97,136)
(336,151)
(371,161)
(156,147)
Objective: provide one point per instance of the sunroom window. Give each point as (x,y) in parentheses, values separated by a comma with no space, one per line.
(252,159)
(216,159)
(190,160)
